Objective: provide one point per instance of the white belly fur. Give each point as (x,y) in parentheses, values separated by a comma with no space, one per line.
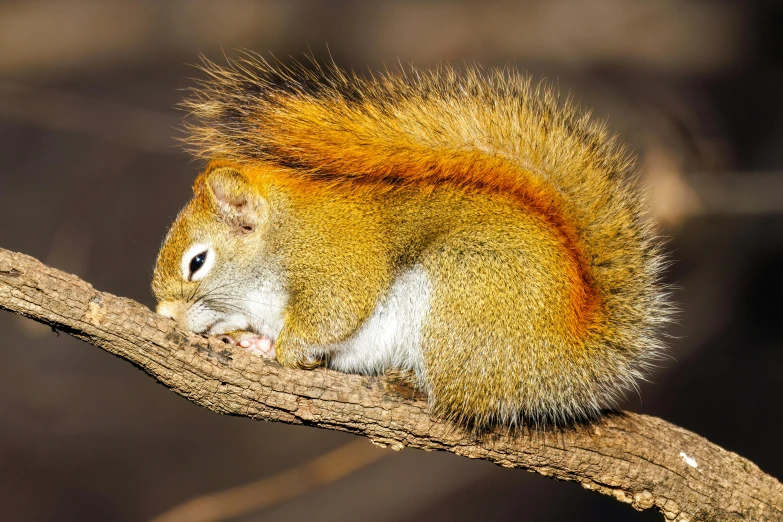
(391,337)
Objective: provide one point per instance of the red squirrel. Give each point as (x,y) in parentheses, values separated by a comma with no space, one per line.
(462,228)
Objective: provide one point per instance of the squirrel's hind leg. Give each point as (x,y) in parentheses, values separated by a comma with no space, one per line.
(496,340)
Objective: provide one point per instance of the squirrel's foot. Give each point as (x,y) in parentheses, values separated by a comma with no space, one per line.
(299,360)
(252,342)
(294,353)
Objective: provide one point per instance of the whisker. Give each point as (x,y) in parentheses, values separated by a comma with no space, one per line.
(237,298)
(195,290)
(226,306)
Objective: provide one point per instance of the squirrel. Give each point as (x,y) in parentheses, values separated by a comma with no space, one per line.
(464,228)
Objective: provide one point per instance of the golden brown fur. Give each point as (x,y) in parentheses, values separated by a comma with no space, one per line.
(523,213)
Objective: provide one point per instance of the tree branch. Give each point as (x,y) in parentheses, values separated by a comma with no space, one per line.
(640,460)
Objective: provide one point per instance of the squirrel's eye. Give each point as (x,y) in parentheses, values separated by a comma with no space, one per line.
(197,261)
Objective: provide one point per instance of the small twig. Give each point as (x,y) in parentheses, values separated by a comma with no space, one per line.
(267,492)
(640,460)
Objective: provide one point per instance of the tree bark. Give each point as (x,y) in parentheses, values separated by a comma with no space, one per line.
(640,460)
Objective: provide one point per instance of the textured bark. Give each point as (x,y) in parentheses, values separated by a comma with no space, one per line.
(640,460)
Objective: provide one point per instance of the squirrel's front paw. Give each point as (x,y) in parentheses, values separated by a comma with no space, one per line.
(252,342)
(292,353)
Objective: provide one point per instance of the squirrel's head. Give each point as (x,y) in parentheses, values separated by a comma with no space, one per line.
(208,267)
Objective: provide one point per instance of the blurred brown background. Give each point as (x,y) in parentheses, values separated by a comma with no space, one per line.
(91,178)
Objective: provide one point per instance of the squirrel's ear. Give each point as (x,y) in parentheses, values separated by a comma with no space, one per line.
(235,199)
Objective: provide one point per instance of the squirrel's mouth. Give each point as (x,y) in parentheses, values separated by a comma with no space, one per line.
(209,329)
